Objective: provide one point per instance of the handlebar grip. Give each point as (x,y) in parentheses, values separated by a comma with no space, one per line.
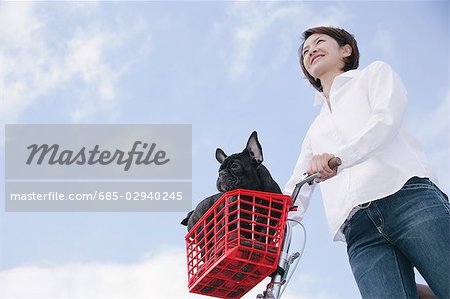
(334,162)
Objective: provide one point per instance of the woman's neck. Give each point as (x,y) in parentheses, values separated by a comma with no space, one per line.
(326,80)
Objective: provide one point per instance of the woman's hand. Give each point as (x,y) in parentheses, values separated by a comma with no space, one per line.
(319,163)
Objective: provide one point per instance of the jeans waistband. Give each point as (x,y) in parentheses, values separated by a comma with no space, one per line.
(417,180)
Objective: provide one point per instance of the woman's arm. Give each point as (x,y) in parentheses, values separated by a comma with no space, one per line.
(387,98)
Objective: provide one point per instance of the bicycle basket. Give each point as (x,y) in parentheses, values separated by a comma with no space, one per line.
(237,243)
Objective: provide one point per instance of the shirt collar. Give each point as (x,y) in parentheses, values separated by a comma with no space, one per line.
(340,80)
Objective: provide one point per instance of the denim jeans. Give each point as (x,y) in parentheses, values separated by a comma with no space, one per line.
(392,235)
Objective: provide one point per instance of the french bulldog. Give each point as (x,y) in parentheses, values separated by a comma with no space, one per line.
(238,171)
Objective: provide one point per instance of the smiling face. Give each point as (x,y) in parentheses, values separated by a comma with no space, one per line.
(322,55)
(343,39)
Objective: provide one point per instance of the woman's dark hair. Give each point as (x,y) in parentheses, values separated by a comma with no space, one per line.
(343,38)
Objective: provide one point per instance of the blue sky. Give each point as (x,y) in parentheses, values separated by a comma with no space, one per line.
(227,68)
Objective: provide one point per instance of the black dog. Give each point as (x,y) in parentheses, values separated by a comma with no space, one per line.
(238,171)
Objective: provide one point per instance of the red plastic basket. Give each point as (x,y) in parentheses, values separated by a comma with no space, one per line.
(236,244)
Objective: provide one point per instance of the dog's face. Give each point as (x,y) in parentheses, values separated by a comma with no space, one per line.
(240,171)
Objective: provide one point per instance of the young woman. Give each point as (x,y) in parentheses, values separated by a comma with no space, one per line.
(382,200)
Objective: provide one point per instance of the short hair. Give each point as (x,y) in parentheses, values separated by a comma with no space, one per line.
(343,38)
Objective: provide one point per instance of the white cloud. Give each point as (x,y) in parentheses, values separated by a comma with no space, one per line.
(17,25)
(433,130)
(384,41)
(161,275)
(37,60)
(437,125)
(85,59)
(249,22)
(17,22)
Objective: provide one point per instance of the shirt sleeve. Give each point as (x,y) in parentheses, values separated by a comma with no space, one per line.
(387,98)
(305,193)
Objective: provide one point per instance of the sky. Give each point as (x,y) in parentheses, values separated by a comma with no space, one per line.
(227,68)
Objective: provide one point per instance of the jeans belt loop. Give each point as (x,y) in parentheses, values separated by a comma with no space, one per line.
(365,205)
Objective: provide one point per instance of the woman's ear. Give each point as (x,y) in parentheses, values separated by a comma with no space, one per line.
(346,50)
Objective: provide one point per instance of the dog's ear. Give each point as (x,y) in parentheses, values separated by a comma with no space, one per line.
(220,155)
(185,220)
(254,148)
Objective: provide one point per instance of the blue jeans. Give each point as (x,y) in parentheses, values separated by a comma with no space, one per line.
(387,239)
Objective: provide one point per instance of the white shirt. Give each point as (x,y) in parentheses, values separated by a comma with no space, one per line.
(364,128)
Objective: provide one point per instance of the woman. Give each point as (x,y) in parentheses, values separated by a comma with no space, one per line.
(382,200)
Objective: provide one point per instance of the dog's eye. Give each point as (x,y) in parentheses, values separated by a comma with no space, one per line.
(235,166)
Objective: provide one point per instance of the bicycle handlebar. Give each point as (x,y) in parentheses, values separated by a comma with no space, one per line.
(333,163)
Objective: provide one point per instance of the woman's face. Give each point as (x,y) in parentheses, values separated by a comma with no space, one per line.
(322,54)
